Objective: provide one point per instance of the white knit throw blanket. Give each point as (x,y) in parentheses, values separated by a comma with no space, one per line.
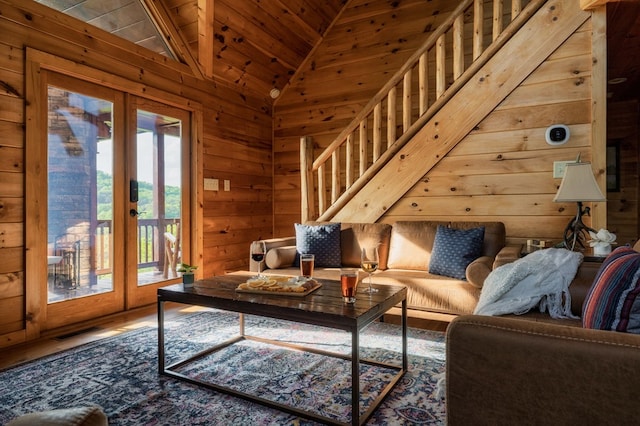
(541,279)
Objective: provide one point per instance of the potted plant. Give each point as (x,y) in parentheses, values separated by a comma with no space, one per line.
(187,274)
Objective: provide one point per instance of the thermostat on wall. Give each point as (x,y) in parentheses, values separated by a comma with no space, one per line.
(557,134)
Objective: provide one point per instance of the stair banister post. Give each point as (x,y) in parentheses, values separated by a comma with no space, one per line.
(307,211)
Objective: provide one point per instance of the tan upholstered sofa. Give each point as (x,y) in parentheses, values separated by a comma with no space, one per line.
(405,252)
(532,369)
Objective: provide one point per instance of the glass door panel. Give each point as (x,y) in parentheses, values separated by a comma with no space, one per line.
(84,215)
(157,197)
(159,172)
(80,201)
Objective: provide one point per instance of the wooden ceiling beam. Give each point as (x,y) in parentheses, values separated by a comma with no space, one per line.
(206,35)
(172,35)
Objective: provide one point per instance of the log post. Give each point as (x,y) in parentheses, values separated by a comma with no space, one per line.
(307,211)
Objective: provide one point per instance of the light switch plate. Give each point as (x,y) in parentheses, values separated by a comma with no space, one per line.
(211,184)
(227,185)
(558,168)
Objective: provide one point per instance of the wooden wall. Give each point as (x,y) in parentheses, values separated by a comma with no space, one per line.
(623,119)
(501,171)
(366,45)
(236,142)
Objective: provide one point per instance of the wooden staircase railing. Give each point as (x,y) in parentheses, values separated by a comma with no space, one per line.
(376,129)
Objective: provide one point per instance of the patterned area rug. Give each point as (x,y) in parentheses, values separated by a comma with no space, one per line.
(120,375)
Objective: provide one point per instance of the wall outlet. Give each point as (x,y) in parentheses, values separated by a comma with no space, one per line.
(558,168)
(211,184)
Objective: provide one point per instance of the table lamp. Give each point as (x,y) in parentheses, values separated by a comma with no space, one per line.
(578,185)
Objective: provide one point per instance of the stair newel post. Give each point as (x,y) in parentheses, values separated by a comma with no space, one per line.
(306,179)
(322,189)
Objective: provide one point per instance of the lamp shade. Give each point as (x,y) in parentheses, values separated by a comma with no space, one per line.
(578,184)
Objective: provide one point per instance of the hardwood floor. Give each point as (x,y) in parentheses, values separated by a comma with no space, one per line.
(89,332)
(120,323)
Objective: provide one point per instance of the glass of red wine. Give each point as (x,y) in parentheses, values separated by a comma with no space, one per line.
(258,250)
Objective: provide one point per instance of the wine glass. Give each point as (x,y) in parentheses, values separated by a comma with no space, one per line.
(258,250)
(369,263)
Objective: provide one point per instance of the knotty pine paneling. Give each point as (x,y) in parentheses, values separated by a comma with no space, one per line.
(236,140)
(367,44)
(622,207)
(501,171)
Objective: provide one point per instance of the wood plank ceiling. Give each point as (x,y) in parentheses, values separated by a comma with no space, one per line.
(258,45)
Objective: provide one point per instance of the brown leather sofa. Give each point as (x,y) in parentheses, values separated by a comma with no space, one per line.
(534,370)
(405,251)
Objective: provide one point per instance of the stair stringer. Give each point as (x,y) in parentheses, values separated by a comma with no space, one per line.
(504,72)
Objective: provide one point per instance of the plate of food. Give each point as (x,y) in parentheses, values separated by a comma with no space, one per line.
(274,284)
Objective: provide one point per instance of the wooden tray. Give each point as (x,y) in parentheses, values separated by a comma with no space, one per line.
(281,293)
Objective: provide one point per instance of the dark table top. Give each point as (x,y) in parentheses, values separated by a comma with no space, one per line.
(323,306)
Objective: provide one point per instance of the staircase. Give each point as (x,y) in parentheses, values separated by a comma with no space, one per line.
(439,95)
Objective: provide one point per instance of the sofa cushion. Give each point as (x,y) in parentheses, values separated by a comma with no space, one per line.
(411,244)
(280,257)
(454,250)
(321,240)
(356,236)
(612,302)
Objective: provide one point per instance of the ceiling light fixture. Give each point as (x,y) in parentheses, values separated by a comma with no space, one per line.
(274,93)
(617,80)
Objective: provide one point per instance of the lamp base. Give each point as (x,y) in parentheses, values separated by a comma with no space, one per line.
(576,232)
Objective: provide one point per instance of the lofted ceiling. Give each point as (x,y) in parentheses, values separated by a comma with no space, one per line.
(257,45)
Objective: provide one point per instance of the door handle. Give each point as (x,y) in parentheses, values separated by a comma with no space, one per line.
(133,213)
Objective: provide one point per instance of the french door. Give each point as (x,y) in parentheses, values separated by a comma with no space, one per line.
(158,197)
(117,199)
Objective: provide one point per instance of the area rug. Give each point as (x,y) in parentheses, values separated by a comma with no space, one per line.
(119,374)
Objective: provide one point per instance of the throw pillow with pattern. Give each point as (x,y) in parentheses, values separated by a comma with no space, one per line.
(323,241)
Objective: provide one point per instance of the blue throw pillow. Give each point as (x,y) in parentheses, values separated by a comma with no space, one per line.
(454,250)
(323,241)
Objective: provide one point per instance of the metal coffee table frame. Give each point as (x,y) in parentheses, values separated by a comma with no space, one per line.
(213,302)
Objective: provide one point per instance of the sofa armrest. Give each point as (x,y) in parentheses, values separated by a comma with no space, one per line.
(478,270)
(270,244)
(503,371)
(508,254)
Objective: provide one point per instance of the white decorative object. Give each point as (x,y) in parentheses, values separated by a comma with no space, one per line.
(601,242)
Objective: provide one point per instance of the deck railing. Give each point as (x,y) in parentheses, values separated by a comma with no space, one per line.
(473,32)
(150,243)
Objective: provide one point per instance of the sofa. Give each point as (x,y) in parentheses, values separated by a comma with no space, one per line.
(405,257)
(532,369)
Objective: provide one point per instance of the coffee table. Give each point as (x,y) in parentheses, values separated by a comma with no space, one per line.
(322,307)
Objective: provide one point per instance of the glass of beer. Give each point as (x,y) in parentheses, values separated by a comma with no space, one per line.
(306,265)
(349,284)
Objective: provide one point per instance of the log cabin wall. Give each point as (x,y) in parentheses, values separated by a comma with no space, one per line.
(501,171)
(623,151)
(366,45)
(236,142)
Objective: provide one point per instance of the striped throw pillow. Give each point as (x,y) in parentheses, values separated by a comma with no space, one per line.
(612,303)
